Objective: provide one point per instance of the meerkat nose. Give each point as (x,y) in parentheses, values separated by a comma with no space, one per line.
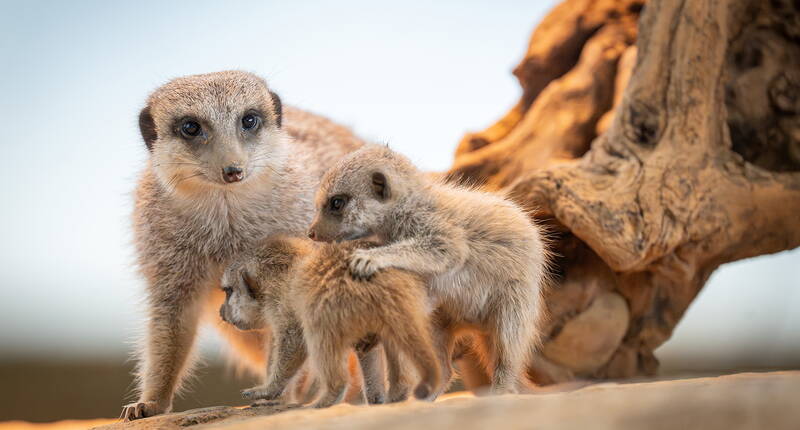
(232,174)
(312,234)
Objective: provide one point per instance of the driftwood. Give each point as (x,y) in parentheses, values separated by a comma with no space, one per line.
(649,170)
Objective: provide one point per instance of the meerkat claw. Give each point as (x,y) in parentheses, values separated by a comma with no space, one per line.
(362,267)
(138,410)
(258,393)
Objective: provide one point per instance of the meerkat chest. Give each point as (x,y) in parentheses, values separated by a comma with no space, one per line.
(221,229)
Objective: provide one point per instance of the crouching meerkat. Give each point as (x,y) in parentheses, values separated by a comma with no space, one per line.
(485,256)
(315,309)
(228,165)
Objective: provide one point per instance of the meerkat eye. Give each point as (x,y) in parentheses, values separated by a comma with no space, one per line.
(250,121)
(191,129)
(336,203)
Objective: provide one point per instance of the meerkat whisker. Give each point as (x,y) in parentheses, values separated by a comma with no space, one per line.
(167,163)
(187,177)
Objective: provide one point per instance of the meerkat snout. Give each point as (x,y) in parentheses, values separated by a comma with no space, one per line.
(241,307)
(232,174)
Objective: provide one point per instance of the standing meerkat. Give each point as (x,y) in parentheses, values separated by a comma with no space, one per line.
(486,257)
(228,166)
(314,308)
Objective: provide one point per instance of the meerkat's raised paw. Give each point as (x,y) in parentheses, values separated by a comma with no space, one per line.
(363,266)
(138,410)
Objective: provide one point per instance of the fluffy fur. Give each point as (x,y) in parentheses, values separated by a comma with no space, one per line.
(188,222)
(486,257)
(306,296)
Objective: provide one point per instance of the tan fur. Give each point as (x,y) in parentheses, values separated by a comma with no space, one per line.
(486,257)
(305,295)
(188,222)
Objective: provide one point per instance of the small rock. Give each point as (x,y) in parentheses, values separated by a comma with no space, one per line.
(589,340)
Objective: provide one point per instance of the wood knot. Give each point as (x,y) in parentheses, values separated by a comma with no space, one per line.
(477,142)
(784,92)
(642,124)
(785,16)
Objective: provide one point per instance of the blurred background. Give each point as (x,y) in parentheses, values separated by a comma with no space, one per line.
(415,74)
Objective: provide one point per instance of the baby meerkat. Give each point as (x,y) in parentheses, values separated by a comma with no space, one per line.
(228,166)
(485,256)
(304,293)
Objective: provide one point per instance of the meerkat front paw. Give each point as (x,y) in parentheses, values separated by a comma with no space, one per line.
(138,410)
(260,393)
(363,265)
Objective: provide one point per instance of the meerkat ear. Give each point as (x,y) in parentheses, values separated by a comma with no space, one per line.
(147,127)
(278,106)
(248,283)
(379,185)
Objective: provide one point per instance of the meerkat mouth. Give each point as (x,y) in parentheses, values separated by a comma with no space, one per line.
(355,236)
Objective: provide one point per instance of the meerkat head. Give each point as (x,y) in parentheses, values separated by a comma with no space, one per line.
(243,298)
(358,192)
(249,279)
(217,129)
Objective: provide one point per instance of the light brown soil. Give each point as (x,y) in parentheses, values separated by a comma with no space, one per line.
(746,401)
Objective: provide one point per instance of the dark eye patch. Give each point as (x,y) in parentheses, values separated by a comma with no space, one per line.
(337,203)
(191,129)
(250,121)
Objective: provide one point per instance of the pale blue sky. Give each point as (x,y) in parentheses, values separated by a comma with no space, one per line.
(416,74)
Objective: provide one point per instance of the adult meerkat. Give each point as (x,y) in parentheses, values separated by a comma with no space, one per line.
(305,294)
(486,257)
(228,165)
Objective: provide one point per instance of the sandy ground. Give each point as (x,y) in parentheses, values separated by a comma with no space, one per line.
(58,425)
(741,401)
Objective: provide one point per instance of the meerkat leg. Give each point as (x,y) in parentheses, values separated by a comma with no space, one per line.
(171,332)
(414,341)
(304,387)
(472,365)
(354,394)
(370,359)
(329,357)
(511,342)
(398,381)
(286,357)
(443,343)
